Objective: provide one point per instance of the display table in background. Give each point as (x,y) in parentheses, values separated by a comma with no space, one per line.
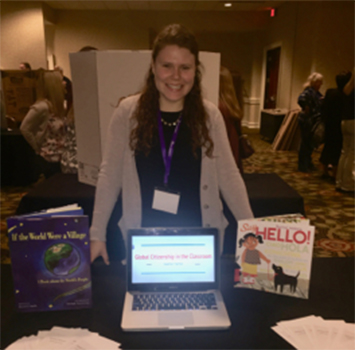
(18,160)
(252,312)
(271,120)
(271,195)
(64,189)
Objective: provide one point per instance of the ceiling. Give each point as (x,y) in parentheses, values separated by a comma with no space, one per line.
(169,5)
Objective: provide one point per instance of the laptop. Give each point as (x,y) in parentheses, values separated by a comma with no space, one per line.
(173,280)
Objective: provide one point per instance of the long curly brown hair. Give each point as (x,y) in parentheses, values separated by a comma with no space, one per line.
(145,133)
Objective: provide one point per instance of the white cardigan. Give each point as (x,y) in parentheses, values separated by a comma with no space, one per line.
(118,172)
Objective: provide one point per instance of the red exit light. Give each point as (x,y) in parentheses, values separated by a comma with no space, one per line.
(272,12)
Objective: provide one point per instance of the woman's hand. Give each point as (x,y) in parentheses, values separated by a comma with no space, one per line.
(98,248)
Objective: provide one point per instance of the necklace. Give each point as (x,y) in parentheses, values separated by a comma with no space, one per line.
(166,123)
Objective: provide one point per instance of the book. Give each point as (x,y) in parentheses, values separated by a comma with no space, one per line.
(274,255)
(50,258)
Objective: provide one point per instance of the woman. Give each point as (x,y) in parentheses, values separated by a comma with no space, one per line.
(332,115)
(346,169)
(44,125)
(231,111)
(310,102)
(167,140)
(69,161)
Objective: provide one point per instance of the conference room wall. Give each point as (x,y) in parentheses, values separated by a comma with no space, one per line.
(325,44)
(133,30)
(315,36)
(22,34)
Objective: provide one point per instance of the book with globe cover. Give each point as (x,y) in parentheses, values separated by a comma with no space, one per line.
(50,258)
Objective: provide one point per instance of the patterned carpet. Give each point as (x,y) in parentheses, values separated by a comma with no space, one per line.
(331,212)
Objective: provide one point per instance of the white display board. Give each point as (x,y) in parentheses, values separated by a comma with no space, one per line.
(100,79)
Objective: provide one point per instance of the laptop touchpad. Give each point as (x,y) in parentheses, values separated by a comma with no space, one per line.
(175,318)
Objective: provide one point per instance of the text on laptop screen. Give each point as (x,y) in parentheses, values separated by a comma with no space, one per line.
(173,259)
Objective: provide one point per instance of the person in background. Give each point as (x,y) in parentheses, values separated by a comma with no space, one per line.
(346,167)
(88,48)
(44,125)
(310,101)
(168,139)
(231,108)
(69,161)
(25,66)
(332,116)
(231,111)
(68,97)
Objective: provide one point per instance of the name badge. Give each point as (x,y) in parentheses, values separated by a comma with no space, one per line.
(166,200)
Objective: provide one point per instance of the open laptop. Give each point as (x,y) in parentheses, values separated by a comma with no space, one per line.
(173,280)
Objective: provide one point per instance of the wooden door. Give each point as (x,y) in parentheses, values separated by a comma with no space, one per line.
(272,77)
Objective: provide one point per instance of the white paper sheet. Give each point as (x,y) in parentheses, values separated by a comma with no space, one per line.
(59,338)
(314,332)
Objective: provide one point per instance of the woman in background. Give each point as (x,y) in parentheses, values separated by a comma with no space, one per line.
(69,159)
(168,141)
(25,66)
(44,125)
(346,168)
(231,111)
(310,101)
(332,110)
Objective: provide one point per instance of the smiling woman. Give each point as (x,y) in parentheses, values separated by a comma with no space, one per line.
(167,151)
(174,71)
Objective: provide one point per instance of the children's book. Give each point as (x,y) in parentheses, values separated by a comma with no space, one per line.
(50,258)
(275,255)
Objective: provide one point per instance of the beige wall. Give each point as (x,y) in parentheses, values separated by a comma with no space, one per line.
(22,35)
(103,30)
(330,43)
(132,30)
(315,36)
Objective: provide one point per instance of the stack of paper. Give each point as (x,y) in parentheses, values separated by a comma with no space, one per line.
(316,333)
(59,338)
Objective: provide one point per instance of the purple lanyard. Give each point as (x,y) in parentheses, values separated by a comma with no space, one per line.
(167,157)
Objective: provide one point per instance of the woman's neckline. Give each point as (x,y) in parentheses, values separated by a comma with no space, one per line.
(171,112)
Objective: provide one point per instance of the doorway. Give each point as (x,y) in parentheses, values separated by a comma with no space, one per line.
(272,77)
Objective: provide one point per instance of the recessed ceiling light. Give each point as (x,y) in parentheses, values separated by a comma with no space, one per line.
(227,4)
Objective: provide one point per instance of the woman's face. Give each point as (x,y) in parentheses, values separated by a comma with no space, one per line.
(174,73)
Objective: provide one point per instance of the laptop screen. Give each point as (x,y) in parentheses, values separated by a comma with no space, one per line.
(174,257)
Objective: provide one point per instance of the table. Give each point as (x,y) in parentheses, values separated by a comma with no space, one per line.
(268,195)
(64,189)
(271,195)
(252,313)
(18,160)
(271,120)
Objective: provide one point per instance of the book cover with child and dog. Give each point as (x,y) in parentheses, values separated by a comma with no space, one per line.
(275,255)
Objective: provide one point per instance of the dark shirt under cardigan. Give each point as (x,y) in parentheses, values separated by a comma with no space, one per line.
(184,177)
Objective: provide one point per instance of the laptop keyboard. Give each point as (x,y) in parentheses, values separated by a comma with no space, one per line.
(174,301)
